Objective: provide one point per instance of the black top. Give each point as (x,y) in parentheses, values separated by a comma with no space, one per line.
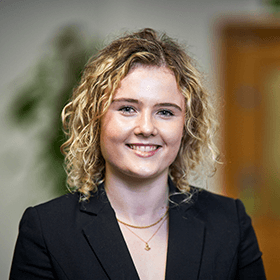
(210,237)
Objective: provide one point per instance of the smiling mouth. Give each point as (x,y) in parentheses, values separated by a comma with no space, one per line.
(144,148)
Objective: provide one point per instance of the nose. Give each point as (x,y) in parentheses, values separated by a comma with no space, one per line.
(145,125)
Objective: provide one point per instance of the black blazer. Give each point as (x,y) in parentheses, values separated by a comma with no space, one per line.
(210,237)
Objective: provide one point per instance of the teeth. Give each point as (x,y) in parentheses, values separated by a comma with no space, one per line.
(143,148)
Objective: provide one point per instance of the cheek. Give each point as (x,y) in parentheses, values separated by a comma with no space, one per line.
(176,142)
(114,132)
(105,136)
(109,127)
(174,133)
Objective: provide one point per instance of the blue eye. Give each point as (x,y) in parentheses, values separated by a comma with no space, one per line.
(166,113)
(127,109)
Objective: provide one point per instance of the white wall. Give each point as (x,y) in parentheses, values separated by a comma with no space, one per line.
(27,26)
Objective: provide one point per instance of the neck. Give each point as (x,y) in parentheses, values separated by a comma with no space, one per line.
(139,202)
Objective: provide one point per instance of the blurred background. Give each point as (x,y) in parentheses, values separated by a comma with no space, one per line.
(44,46)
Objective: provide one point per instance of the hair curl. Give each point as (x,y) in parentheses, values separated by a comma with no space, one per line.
(85,165)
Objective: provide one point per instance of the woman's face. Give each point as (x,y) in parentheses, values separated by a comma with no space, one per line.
(142,130)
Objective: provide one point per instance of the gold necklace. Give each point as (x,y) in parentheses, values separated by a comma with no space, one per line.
(142,227)
(147,247)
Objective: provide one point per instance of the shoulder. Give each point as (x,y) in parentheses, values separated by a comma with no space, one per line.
(219,211)
(54,213)
(227,216)
(208,201)
(58,206)
(204,196)
(226,219)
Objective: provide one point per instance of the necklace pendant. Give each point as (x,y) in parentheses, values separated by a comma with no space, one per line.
(147,248)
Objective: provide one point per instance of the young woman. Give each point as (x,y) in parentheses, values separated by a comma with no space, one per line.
(138,123)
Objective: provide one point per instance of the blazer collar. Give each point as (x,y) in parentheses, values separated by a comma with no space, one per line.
(185,239)
(100,199)
(186,236)
(105,238)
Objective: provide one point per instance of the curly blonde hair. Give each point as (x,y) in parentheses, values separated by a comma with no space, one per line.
(85,165)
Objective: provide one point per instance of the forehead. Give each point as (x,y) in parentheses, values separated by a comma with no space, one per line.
(150,83)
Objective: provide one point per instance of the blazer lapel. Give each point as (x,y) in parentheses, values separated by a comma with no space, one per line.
(106,240)
(185,242)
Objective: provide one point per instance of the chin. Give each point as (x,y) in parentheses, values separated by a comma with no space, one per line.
(143,174)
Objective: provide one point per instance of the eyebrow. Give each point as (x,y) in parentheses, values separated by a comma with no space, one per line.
(131,100)
(169,105)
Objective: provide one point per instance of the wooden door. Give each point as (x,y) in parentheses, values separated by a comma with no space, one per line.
(249,58)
